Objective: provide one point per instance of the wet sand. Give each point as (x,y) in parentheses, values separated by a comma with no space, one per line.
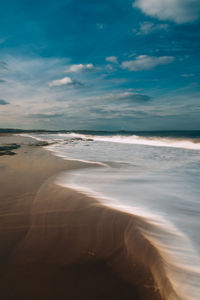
(56,243)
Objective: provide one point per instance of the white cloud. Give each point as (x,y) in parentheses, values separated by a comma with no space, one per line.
(179,11)
(60,82)
(149,27)
(112,59)
(145,62)
(80,68)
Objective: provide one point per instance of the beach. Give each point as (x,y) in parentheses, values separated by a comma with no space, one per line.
(58,243)
(100,150)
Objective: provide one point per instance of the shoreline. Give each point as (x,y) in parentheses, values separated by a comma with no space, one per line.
(46,228)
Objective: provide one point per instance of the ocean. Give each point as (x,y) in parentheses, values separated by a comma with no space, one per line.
(155,175)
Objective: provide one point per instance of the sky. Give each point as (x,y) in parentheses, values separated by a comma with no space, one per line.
(100,65)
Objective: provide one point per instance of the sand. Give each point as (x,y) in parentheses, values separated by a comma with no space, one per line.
(56,243)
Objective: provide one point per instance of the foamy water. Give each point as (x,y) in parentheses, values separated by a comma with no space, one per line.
(138,140)
(156,178)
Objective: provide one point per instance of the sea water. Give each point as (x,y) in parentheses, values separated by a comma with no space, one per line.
(156,176)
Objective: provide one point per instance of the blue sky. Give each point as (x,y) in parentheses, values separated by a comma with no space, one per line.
(105,65)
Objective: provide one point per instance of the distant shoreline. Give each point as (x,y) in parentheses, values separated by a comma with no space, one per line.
(153,133)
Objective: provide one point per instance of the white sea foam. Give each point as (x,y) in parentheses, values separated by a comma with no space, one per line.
(180,260)
(139,140)
(124,139)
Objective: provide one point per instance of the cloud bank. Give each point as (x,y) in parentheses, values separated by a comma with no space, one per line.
(179,11)
(46,115)
(3,102)
(145,62)
(123,97)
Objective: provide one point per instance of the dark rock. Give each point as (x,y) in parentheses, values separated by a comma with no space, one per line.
(6,152)
(9,147)
(6,149)
(41,144)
